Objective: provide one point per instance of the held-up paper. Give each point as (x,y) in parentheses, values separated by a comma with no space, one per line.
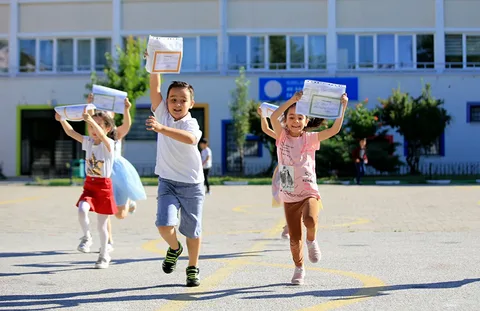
(164,55)
(268,109)
(74,112)
(321,99)
(105,98)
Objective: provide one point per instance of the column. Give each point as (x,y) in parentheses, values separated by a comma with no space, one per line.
(13,61)
(116,25)
(439,45)
(332,37)
(223,38)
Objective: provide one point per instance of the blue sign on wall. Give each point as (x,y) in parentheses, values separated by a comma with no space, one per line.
(273,89)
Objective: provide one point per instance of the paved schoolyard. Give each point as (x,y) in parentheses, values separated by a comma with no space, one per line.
(384,248)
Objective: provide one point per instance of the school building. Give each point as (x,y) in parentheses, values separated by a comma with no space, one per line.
(49,47)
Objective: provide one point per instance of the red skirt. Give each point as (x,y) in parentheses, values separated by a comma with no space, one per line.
(98,192)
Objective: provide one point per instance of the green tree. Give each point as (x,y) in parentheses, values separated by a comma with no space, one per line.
(125,72)
(239,109)
(420,120)
(267,141)
(362,122)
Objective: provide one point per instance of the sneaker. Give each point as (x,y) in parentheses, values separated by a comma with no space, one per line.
(85,244)
(192,276)
(298,276)
(132,206)
(170,262)
(285,234)
(110,248)
(102,262)
(314,253)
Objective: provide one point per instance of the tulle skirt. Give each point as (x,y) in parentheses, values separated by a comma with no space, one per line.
(126,182)
(276,202)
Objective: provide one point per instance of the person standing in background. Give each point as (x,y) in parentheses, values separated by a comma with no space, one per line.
(206,153)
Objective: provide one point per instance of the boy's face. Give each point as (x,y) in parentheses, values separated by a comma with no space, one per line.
(179,102)
(202,145)
(363,143)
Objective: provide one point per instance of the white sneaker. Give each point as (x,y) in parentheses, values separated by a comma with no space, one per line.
(110,248)
(285,234)
(298,276)
(132,206)
(314,253)
(102,262)
(85,244)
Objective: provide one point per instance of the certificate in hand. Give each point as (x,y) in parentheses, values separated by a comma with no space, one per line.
(321,100)
(164,54)
(105,98)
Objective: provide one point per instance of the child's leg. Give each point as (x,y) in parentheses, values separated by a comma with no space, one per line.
(104,258)
(122,212)
(83,209)
(109,228)
(293,215)
(193,246)
(311,208)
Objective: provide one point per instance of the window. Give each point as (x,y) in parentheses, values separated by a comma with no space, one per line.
(346,51)
(102,46)
(64,55)
(454,51)
(297,52)
(277,48)
(3,56)
(473,51)
(386,51)
(138,130)
(237,52)
(46,55)
(257,52)
(253,146)
(208,53)
(317,52)
(425,51)
(473,112)
(84,56)
(27,52)
(365,51)
(189,61)
(405,51)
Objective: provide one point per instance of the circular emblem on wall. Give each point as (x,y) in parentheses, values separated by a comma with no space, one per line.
(273,89)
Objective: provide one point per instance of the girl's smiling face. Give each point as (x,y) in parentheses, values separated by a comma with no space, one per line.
(294,122)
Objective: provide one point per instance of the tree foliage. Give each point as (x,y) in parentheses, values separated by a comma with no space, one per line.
(125,72)
(420,120)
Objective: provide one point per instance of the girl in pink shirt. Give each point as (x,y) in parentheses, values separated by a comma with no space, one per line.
(296,148)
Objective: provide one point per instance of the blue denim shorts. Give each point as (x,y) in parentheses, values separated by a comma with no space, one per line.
(174,197)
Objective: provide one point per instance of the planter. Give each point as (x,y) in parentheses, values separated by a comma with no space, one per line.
(236,183)
(439,182)
(387,182)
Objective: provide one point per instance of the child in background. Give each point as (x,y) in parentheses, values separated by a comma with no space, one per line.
(127,185)
(97,193)
(180,171)
(360,158)
(296,148)
(206,154)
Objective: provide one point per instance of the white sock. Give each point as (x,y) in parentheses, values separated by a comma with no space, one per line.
(103,231)
(83,209)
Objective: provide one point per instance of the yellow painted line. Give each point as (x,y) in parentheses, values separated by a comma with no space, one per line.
(478,203)
(212,281)
(359,221)
(20,200)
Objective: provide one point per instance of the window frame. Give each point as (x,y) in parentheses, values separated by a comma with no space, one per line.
(471,105)
(441,147)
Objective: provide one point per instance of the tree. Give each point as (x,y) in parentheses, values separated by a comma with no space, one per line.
(362,122)
(239,108)
(256,129)
(420,120)
(125,72)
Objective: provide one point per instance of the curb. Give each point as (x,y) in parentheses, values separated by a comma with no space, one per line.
(387,182)
(439,182)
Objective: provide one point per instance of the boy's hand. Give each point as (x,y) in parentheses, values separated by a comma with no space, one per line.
(90,98)
(145,54)
(344,100)
(58,117)
(297,96)
(127,103)
(87,117)
(153,125)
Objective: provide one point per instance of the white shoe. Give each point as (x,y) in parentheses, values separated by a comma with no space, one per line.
(314,253)
(110,248)
(285,234)
(298,276)
(85,244)
(132,206)
(102,262)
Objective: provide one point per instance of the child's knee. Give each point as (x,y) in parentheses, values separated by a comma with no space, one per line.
(165,230)
(309,221)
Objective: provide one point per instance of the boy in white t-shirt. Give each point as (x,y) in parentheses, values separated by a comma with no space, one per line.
(206,154)
(179,167)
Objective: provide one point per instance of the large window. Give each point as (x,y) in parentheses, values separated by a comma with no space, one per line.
(63,54)
(277,52)
(3,56)
(138,130)
(385,51)
(462,51)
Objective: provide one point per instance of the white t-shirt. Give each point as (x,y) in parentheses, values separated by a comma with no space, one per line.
(178,161)
(207,153)
(98,161)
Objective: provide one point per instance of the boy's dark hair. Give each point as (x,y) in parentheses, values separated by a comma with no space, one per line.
(180,85)
(108,122)
(313,123)
(204,141)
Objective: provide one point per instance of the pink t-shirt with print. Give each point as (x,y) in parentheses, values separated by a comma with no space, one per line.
(296,165)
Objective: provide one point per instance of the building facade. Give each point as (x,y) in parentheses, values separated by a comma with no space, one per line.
(48,49)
